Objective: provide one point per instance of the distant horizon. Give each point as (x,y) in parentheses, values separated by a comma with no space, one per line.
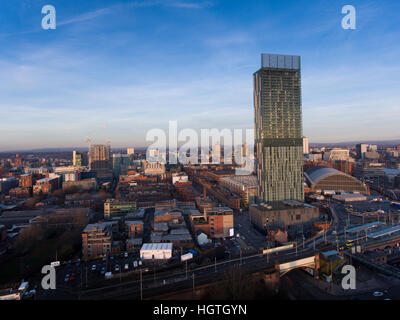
(311,144)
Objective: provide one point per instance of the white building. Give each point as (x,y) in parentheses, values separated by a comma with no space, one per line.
(156,251)
(179,178)
(337,154)
(306,149)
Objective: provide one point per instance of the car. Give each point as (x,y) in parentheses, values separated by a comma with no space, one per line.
(94,267)
(140,262)
(112,257)
(78,263)
(72,277)
(104,258)
(126,254)
(103,271)
(126,266)
(66,279)
(116,268)
(135,264)
(377,294)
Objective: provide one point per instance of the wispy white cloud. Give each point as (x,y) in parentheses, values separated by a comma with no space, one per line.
(86,16)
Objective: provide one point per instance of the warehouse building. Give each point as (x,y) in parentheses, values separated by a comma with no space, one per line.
(156,251)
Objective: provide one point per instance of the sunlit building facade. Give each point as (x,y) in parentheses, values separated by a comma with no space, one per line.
(278,128)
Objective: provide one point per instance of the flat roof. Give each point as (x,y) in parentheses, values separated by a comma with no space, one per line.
(365,226)
(156,246)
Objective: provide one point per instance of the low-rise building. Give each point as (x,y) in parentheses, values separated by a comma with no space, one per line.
(85,185)
(292,215)
(118,208)
(134,228)
(46,185)
(156,251)
(215,222)
(133,244)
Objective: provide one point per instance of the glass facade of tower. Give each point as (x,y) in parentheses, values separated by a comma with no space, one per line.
(278,128)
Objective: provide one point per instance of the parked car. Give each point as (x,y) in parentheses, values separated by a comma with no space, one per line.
(72,277)
(66,279)
(103,271)
(116,268)
(126,266)
(126,254)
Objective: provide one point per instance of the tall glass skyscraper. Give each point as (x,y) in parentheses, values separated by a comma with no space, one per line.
(278,128)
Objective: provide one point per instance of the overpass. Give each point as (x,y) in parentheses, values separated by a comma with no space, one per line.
(308,262)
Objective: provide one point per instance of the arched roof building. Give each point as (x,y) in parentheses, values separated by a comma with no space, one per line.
(323,178)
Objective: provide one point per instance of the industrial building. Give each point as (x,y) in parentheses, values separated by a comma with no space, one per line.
(349,197)
(156,251)
(292,215)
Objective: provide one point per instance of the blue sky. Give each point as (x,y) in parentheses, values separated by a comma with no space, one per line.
(115,69)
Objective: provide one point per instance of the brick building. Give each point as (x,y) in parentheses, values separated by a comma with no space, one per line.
(134,228)
(215,222)
(96,240)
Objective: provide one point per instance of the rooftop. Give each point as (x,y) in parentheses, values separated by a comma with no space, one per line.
(157,246)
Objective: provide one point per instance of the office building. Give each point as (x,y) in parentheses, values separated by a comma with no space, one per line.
(6,184)
(120,164)
(306,148)
(118,208)
(278,128)
(361,150)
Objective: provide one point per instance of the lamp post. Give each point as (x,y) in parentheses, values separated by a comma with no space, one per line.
(141,285)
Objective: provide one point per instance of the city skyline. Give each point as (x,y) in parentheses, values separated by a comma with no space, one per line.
(56,96)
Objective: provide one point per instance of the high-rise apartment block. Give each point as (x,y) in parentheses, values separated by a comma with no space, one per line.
(77,158)
(99,160)
(278,128)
